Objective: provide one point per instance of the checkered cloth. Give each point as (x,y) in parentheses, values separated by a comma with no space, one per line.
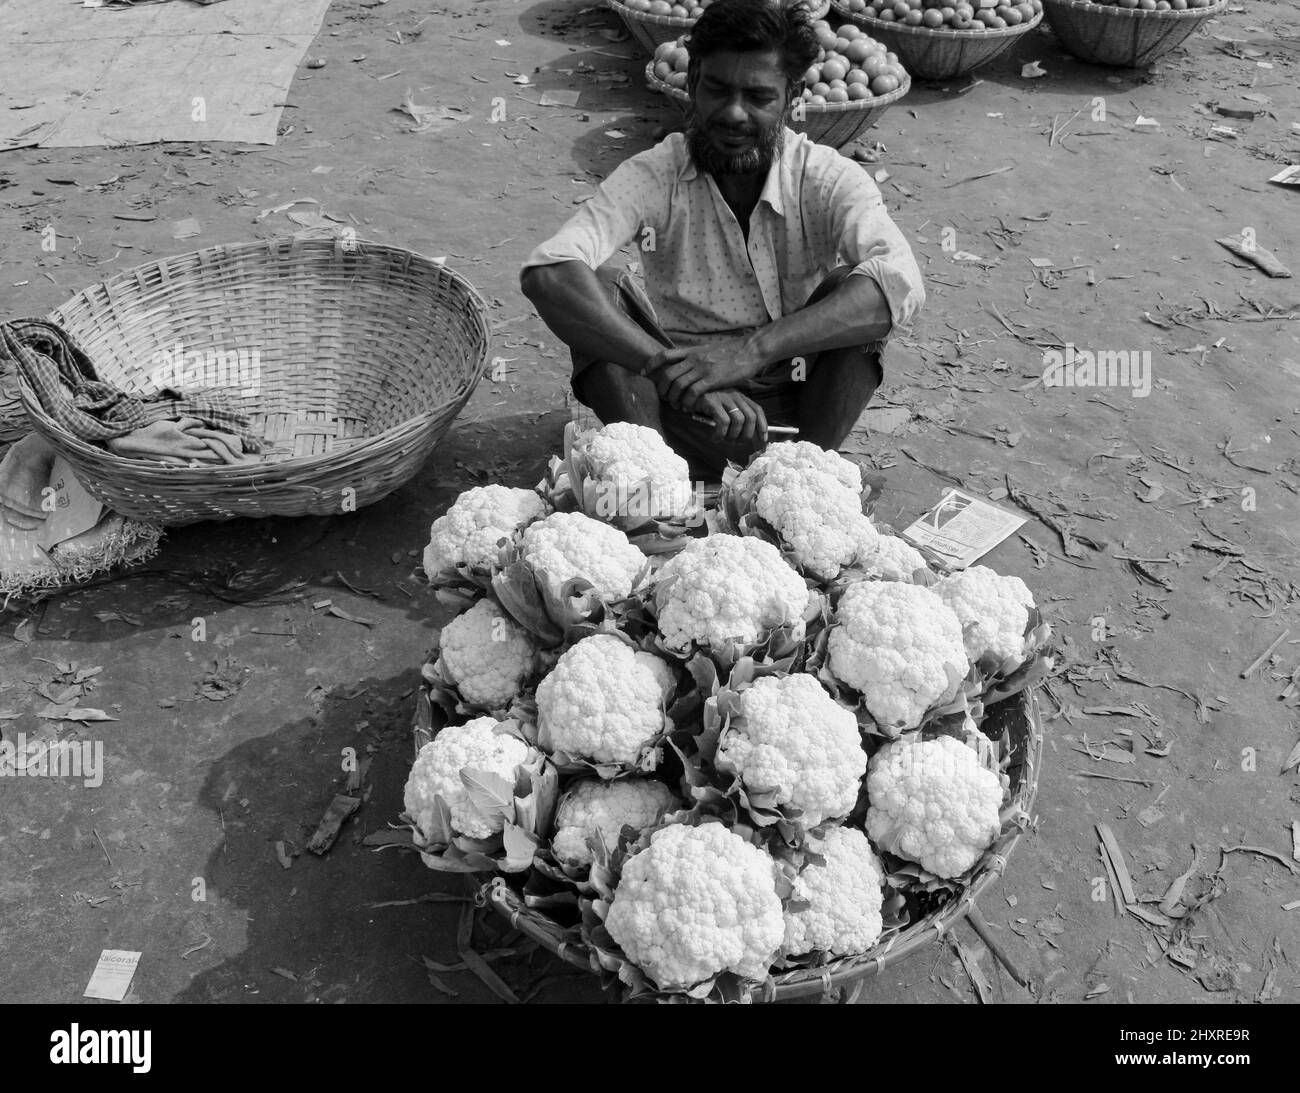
(68,389)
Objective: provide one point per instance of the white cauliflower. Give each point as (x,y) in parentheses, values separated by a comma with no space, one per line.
(636,472)
(992,609)
(889,558)
(696,902)
(566,545)
(475,746)
(843,898)
(894,642)
(727,588)
(487,655)
(798,741)
(600,810)
(603,701)
(468,533)
(932,802)
(812,499)
(815,459)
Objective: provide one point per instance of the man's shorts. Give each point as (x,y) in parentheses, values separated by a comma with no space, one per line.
(773,389)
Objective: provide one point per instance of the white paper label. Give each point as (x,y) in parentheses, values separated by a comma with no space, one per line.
(962,528)
(112,976)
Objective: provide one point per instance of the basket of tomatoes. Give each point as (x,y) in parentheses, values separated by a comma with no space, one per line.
(944,39)
(853,82)
(656,22)
(1126,33)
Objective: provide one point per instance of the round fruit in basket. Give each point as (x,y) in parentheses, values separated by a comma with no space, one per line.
(671,61)
(1155,5)
(960,14)
(692,10)
(853,67)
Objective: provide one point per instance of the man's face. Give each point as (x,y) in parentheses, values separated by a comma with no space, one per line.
(740,104)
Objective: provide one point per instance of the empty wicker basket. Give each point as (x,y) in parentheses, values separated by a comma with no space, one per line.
(1124,37)
(352,358)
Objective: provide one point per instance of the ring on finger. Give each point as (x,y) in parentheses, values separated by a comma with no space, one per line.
(736,411)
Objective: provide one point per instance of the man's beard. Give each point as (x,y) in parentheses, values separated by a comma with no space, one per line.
(757,160)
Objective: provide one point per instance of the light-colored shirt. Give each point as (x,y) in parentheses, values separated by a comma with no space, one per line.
(817,210)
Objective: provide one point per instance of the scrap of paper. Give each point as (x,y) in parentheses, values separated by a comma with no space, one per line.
(962,528)
(111,978)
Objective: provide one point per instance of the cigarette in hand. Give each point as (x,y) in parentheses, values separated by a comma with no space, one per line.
(775,430)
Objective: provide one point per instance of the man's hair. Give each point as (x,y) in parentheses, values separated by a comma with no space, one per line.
(751,26)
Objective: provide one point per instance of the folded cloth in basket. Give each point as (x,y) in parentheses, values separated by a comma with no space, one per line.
(68,389)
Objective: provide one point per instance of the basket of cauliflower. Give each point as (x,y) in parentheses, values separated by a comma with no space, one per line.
(767,762)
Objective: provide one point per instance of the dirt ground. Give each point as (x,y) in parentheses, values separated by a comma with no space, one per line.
(1171,562)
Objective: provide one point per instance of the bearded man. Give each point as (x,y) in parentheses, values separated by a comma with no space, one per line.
(773,273)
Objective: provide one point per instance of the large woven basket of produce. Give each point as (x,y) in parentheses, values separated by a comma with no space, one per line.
(653,22)
(853,82)
(1127,33)
(941,40)
(686,746)
(349,358)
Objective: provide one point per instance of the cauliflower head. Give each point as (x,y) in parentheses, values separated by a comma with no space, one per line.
(469,531)
(599,809)
(811,458)
(993,610)
(727,588)
(890,558)
(797,740)
(476,745)
(566,545)
(818,519)
(487,655)
(640,469)
(892,642)
(932,802)
(696,902)
(843,898)
(604,701)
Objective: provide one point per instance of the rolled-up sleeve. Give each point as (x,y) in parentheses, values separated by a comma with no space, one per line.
(869,240)
(628,202)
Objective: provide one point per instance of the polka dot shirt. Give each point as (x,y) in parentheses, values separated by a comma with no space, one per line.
(817,210)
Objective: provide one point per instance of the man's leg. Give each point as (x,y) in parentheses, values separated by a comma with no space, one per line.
(614,393)
(839,384)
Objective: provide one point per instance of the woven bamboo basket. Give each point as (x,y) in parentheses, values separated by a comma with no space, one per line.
(352,358)
(1123,37)
(939,54)
(1018,716)
(833,123)
(651,31)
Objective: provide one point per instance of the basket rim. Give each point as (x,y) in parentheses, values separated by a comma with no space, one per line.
(686,23)
(252,474)
(652,19)
(938,34)
(1106,11)
(810,108)
(789,983)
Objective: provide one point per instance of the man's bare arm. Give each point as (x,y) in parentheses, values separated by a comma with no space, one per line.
(571,301)
(855,313)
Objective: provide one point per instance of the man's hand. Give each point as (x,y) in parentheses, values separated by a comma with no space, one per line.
(699,369)
(735,415)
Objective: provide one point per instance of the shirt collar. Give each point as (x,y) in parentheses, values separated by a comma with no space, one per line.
(778,177)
